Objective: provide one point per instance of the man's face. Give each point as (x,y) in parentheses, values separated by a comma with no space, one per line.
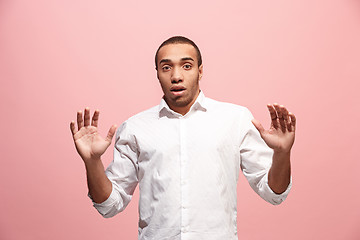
(179,74)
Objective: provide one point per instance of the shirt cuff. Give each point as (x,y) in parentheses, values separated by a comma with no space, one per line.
(104,207)
(275,198)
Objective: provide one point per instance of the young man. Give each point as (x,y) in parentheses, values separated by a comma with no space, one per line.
(186,154)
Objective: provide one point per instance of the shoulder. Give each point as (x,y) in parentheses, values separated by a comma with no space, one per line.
(141,119)
(226,108)
(229,117)
(146,115)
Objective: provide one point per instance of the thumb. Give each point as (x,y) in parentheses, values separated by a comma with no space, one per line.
(111,133)
(258,126)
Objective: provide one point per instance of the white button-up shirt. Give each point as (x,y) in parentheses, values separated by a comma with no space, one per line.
(187,169)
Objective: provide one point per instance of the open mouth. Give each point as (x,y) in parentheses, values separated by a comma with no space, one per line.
(177,89)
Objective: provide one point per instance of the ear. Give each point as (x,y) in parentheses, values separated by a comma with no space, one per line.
(200,71)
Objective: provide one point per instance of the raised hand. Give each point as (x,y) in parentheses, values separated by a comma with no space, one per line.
(89,144)
(281,135)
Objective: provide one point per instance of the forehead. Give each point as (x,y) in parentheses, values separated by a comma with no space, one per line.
(177,51)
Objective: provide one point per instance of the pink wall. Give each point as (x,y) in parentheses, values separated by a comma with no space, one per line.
(59,56)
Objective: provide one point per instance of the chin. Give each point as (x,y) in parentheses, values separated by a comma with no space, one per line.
(182,102)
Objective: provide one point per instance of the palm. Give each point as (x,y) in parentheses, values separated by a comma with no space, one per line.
(277,139)
(281,134)
(88,142)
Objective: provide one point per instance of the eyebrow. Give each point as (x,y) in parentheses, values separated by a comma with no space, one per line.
(187,59)
(182,59)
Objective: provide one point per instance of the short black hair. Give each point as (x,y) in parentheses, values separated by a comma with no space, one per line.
(177,40)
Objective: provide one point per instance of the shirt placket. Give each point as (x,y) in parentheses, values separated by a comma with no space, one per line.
(184,179)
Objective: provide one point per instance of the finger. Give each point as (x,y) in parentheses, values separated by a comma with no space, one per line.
(72,127)
(95,118)
(111,133)
(273,115)
(87,117)
(258,126)
(279,111)
(80,121)
(285,114)
(293,121)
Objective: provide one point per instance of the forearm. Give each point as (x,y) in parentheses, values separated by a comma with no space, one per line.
(99,185)
(280,172)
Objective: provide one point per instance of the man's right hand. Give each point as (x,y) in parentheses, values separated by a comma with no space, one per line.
(89,144)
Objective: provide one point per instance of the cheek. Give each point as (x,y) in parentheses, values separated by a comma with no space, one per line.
(164,84)
(195,79)
(161,78)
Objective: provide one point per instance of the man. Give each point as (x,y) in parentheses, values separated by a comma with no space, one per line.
(186,154)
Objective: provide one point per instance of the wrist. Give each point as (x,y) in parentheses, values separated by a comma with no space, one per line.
(90,162)
(281,155)
(282,150)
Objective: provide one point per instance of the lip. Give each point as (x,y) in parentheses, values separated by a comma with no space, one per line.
(177,90)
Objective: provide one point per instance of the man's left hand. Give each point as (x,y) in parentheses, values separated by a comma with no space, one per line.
(281,135)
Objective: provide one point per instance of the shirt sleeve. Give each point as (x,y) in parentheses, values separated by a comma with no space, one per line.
(122,172)
(256,160)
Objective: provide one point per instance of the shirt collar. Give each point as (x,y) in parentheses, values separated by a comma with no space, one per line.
(199,104)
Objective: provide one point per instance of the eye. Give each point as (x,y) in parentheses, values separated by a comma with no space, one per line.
(187,66)
(165,68)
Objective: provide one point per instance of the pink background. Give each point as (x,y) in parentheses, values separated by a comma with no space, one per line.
(57,57)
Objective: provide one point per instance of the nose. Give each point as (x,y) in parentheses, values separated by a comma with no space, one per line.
(176,75)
